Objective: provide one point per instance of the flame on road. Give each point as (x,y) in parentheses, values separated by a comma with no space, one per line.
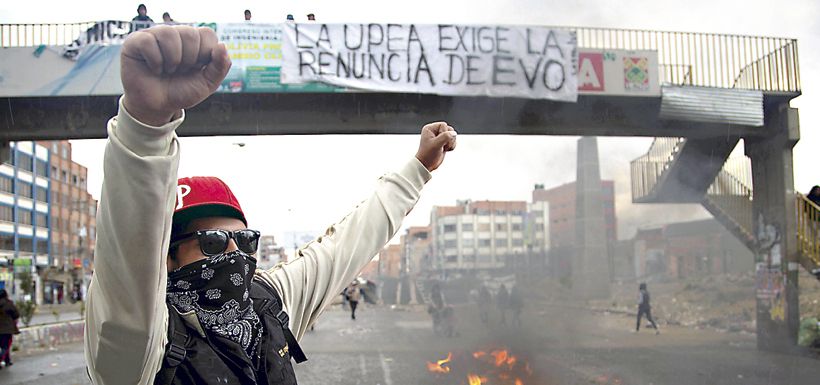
(490,367)
(439,367)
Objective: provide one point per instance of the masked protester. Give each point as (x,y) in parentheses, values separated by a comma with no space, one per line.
(176,297)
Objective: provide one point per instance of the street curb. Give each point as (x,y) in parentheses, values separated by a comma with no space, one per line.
(38,337)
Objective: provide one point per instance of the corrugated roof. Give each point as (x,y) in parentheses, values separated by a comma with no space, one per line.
(712,105)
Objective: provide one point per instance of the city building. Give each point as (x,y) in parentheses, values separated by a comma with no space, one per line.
(24,214)
(270,253)
(478,236)
(563,226)
(390,261)
(537,234)
(73,226)
(689,249)
(415,249)
(562,211)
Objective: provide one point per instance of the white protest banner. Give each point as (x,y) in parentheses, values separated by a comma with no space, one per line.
(503,61)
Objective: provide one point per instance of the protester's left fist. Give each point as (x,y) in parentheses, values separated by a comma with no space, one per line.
(436,139)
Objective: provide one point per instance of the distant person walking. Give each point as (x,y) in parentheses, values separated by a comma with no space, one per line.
(503,301)
(516,305)
(354,294)
(484,301)
(8,326)
(645,308)
(166,18)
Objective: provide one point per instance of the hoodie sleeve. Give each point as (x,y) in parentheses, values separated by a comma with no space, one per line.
(324,267)
(126,320)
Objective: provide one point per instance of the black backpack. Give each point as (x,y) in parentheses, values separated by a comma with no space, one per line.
(190,358)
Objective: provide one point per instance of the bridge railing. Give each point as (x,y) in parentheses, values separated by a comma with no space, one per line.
(732,194)
(707,59)
(32,35)
(647,169)
(685,58)
(808,229)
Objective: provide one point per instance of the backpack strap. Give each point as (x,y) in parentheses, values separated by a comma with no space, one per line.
(282,317)
(175,352)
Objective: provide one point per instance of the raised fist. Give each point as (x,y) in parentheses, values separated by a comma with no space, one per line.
(166,69)
(436,139)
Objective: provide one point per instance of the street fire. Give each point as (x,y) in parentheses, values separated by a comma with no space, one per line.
(438,366)
(484,367)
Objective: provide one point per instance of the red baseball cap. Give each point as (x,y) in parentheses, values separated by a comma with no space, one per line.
(204,196)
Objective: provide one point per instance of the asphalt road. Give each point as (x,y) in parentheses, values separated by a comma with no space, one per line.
(556,345)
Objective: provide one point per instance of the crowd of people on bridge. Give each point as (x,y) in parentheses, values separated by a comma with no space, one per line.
(142,20)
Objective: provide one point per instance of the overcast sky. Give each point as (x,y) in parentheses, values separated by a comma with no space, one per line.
(306,183)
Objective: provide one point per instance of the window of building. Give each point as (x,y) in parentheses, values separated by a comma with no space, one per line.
(55,149)
(6,213)
(450,243)
(501,242)
(42,246)
(7,241)
(466,227)
(41,168)
(54,173)
(26,244)
(518,242)
(516,227)
(82,182)
(6,184)
(539,227)
(483,227)
(65,151)
(24,189)
(64,177)
(42,194)
(24,216)
(500,227)
(24,161)
(42,219)
(74,180)
(452,258)
(449,228)
(484,242)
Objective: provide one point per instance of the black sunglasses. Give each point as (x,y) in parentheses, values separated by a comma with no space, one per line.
(215,242)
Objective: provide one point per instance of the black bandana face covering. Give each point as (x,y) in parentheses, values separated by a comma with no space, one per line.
(217,290)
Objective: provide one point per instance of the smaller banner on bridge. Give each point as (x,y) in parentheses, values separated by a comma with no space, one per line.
(503,61)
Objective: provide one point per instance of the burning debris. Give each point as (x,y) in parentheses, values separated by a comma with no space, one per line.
(491,367)
(439,367)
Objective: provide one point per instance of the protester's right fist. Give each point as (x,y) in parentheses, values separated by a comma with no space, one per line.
(166,69)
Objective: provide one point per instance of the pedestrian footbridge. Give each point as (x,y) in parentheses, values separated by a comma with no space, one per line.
(699,94)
